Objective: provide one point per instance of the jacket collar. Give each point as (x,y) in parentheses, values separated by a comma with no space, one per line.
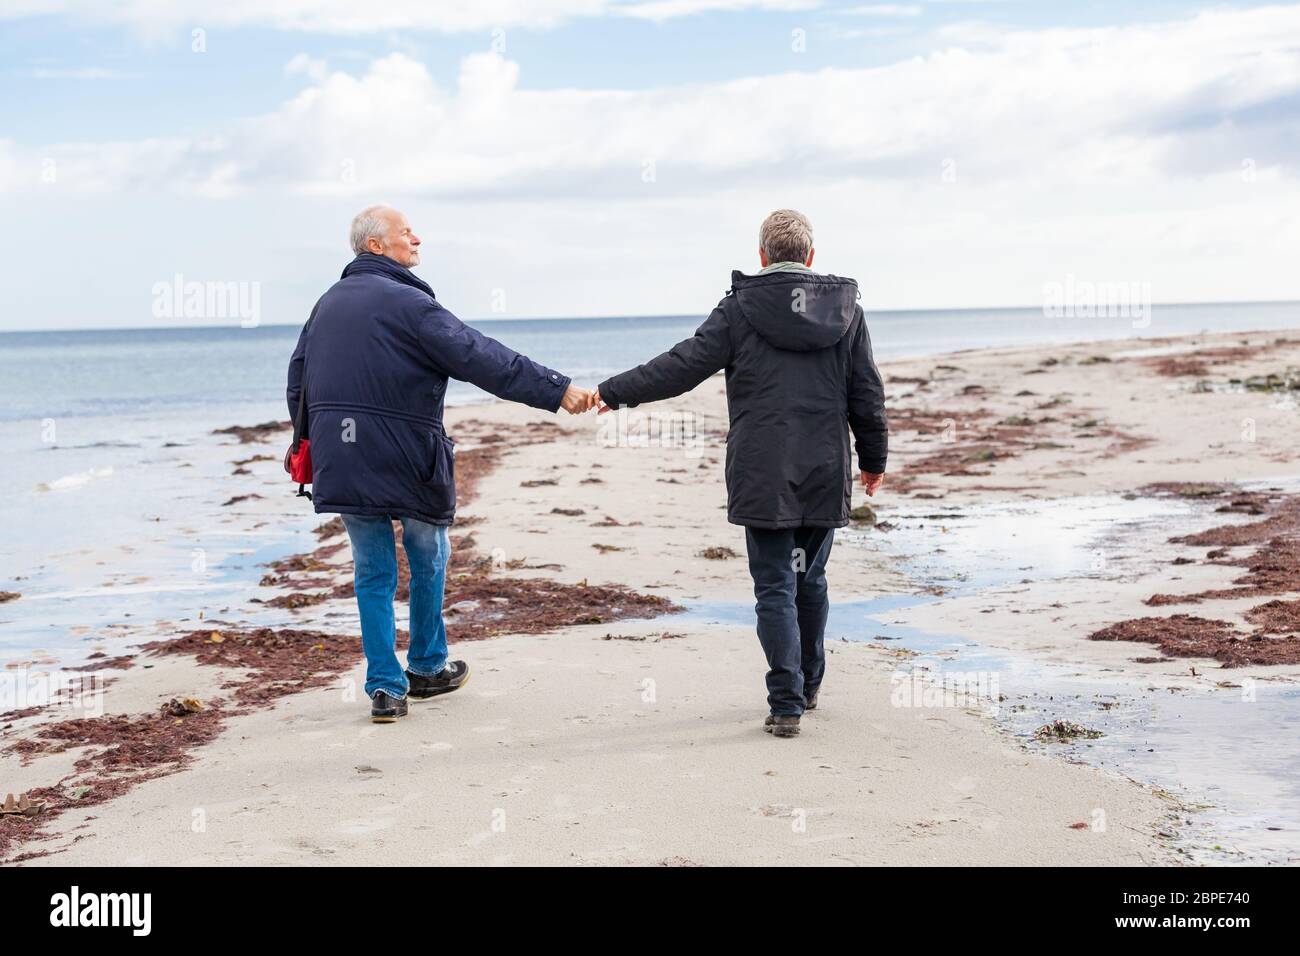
(782,276)
(382,265)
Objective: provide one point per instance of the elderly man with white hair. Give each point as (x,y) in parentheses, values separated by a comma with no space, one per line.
(367,384)
(800,378)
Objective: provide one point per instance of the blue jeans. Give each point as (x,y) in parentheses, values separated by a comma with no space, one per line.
(374,562)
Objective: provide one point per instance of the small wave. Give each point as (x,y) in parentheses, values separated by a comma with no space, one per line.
(96,444)
(74,481)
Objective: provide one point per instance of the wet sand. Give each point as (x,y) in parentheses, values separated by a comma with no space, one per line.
(589,734)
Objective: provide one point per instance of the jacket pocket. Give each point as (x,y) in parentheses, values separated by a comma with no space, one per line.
(443,472)
(440,489)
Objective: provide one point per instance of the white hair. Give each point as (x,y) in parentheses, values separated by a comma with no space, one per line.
(786,236)
(369,223)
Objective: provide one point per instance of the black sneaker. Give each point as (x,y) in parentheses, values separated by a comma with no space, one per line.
(452,677)
(384,708)
(782,725)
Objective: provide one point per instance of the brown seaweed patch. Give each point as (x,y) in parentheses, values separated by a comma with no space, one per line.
(22,712)
(1273,568)
(102,662)
(1184,635)
(125,751)
(253,433)
(1275,617)
(147,742)
(281,661)
(1284,520)
(238,498)
(329,529)
(505,605)
(718,553)
(1197,363)
(1183,489)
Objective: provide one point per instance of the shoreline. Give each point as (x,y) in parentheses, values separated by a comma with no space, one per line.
(647,523)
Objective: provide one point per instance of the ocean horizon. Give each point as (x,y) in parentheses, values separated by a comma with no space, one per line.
(48,374)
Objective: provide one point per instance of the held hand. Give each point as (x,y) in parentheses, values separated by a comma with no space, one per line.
(597,403)
(576,400)
(871,482)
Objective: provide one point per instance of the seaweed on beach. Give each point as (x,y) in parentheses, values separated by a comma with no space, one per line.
(276,661)
(506,605)
(1275,617)
(718,553)
(1272,382)
(1181,489)
(101,662)
(1272,568)
(120,753)
(1184,635)
(116,743)
(1284,519)
(1197,364)
(238,498)
(247,434)
(972,442)
(1065,731)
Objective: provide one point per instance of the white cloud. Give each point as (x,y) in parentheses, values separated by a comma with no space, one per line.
(1122,104)
(661,10)
(885,10)
(309,66)
(352,17)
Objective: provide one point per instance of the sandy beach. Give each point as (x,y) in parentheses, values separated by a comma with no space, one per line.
(591,733)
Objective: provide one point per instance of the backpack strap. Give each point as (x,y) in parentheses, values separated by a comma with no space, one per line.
(298,421)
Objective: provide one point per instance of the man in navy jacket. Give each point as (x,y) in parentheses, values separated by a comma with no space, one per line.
(373,360)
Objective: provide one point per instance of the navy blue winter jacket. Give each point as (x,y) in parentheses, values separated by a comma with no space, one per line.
(375,356)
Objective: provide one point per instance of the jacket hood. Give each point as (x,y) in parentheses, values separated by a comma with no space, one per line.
(797,311)
(382,265)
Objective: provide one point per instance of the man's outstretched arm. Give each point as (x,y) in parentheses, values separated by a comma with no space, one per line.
(674,372)
(467,354)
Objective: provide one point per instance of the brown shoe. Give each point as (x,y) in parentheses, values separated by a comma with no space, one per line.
(812,701)
(782,725)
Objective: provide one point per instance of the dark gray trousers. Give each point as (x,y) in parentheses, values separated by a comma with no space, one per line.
(789,571)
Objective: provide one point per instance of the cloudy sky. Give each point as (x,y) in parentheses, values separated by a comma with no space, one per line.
(614,157)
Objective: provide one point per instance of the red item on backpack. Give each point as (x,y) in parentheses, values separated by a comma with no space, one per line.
(298,463)
(297,460)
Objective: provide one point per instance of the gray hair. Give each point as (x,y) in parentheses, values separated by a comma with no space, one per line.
(786,236)
(369,223)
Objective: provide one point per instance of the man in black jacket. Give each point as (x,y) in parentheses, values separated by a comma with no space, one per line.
(800,376)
